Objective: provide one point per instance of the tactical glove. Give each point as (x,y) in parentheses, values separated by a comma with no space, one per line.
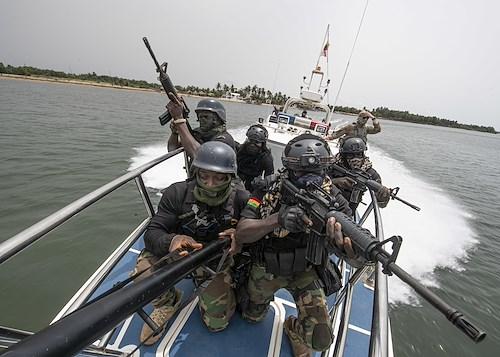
(343,182)
(263,184)
(292,218)
(383,195)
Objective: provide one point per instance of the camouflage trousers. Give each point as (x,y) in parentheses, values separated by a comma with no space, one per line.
(313,327)
(217,301)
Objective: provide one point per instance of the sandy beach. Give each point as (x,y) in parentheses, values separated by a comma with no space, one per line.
(72,81)
(102,85)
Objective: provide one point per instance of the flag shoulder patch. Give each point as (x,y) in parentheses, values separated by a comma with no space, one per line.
(254,202)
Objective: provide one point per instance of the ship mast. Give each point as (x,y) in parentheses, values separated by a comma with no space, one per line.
(314,89)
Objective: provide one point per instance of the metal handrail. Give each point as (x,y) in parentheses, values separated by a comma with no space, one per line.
(30,235)
(379,334)
(379,339)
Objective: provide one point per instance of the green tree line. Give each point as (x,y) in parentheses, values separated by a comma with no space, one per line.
(90,77)
(405,116)
(252,94)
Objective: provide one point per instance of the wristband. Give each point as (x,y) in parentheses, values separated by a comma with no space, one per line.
(179,121)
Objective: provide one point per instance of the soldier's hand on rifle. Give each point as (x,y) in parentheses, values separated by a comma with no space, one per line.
(383,194)
(293,219)
(175,107)
(229,233)
(263,184)
(183,244)
(334,232)
(343,182)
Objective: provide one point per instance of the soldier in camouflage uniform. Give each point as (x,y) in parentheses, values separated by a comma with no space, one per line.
(278,240)
(358,129)
(351,156)
(192,212)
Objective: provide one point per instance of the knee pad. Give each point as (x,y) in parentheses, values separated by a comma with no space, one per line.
(322,337)
(255,312)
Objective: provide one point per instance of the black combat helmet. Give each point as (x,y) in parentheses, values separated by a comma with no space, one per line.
(213,106)
(308,153)
(352,146)
(216,156)
(257,133)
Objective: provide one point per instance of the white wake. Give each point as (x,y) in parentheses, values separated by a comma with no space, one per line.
(437,236)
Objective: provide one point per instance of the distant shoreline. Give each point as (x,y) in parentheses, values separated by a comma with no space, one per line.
(106,85)
(72,81)
(38,78)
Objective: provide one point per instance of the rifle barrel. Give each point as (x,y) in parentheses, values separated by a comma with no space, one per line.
(452,314)
(415,207)
(373,251)
(146,42)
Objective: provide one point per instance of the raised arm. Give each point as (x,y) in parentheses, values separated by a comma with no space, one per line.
(186,139)
(173,140)
(376,127)
(337,134)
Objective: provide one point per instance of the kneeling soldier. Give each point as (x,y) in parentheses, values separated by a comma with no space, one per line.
(280,236)
(190,213)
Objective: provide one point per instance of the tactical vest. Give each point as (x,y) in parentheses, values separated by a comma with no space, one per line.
(358,133)
(251,165)
(355,194)
(218,134)
(203,222)
(283,253)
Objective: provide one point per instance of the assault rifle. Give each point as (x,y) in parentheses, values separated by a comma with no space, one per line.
(365,180)
(319,206)
(167,85)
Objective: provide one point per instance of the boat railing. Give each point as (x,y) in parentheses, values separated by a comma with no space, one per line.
(27,237)
(340,312)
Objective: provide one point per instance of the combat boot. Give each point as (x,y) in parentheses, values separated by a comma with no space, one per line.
(299,349)
(160,316)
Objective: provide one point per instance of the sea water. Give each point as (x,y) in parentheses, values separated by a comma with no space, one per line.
(59,142)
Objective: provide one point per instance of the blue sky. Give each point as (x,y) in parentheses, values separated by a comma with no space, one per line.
(428,57)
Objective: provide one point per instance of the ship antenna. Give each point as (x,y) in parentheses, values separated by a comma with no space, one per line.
(350,56)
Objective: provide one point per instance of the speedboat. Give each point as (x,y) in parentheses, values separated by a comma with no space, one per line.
(310,112)
(105,316)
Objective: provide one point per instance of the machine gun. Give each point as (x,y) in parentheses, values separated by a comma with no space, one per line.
(319,206)
(365,180)
(167,85)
